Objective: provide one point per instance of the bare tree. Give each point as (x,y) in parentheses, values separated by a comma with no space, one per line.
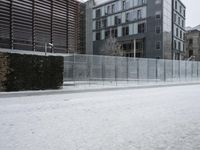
(112,47)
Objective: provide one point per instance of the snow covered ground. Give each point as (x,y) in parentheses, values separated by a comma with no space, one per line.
(165,118)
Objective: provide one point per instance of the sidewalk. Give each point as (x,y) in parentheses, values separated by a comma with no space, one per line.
(70,88)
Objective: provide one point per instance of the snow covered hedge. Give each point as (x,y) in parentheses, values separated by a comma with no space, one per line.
(30,72)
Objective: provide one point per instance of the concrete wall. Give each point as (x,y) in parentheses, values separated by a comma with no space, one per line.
(89,24)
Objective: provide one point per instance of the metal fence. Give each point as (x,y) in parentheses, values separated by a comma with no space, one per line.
(101,69)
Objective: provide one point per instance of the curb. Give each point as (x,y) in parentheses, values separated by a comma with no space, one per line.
(56,92)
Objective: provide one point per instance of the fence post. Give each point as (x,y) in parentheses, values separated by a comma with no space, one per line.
(185,70)
(138,69)
(88,68)
(102,67)
(179,70)
(127,68)
(164,70)
(156,70)
(74,69)
(148,78)
(172,70)
(192,71)
(116,69)
(197,70)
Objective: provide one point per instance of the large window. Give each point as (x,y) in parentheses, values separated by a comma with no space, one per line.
(114,32)
(125,31)
(118,19)
(107,34)
(177,32)
(98,36)
(139,14)
(175,45)
(128,17)
(113,8)
(158,45)
(98,24)
(158,30)
(141,2)
(176,4)
(98,13)
(141,28)
(104,23)
(181,34)
(124,4)
(175,17)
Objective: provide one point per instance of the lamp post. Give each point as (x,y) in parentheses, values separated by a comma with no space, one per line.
(46,46)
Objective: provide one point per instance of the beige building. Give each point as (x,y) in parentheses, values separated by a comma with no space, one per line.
(192,49)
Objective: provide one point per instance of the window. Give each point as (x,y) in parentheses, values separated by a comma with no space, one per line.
(124,4)
(179,21)
(98,13)
(139,14)
(184,12)
(158,30)
(181,34)
(98,36)
(177,32)
(180,10)
(114,32)
(98,24)
(118,20)
(183,23)
(127,17)
(190,41)
(141,2)
(104,23)
(108,9)
(158,45)
(175,44)
(175,4)
(179,45)
(190,53)
(158,2)
(158,16)
(113,8)
(141,28)
(125,31)
(107,34)
(174,17)
(127,46)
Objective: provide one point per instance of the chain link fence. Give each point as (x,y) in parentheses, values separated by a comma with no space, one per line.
(90,69)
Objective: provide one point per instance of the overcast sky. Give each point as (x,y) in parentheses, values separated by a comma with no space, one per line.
(193,12)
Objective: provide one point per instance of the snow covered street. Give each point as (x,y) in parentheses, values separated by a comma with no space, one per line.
(166,118)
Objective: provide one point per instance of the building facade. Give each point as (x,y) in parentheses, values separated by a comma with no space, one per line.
(29,24)
(192,48)
(144,28)
(179,13)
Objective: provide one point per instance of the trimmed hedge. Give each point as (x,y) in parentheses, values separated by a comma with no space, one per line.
(32,72)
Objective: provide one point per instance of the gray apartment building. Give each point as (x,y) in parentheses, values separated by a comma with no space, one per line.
(143,28)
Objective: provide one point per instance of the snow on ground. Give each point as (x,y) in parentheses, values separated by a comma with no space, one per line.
(144,119)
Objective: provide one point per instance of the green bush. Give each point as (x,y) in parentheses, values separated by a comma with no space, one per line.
(32,72)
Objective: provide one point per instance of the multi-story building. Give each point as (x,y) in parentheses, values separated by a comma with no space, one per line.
(178,26)
(143,28)
(29,24)
(192,42)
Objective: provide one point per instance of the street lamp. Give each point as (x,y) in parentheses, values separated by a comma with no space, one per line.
(48,45)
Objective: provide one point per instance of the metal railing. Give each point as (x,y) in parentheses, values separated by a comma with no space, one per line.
(100,69)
